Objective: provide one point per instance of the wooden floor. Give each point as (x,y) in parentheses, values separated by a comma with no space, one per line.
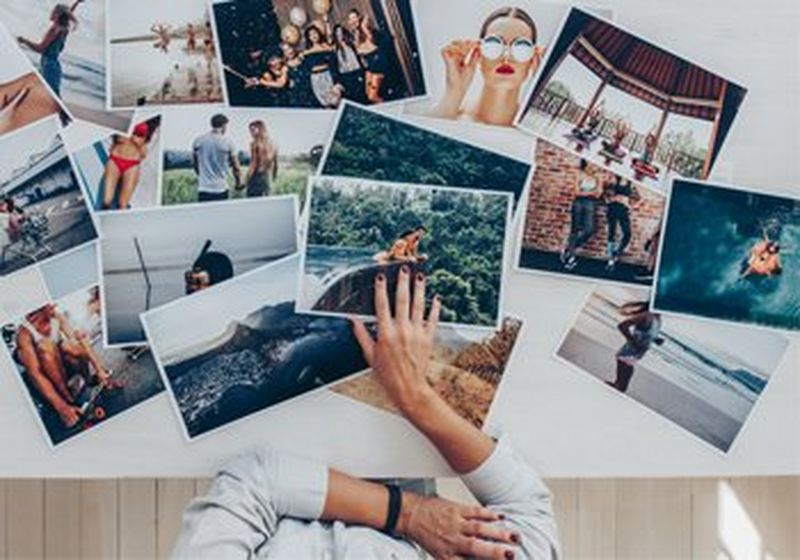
(747,519)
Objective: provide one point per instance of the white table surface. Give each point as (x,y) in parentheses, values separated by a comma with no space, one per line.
(567,424)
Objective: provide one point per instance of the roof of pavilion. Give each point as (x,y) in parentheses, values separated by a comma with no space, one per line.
(648,72)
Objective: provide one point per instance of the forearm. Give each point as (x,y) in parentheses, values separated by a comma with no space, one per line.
(449,106)
(462,445)
(355,501)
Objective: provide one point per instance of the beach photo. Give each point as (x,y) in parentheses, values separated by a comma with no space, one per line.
(730,254)
(66,43)
(154,256)
(249,350)
(73,381)
(584,221)
(24,96)
(371,145)
(705,378)
(358,228)
(121,171)
(43,212)
(314,54)
(161,53)
(466,370)
(212,154)
(629,105)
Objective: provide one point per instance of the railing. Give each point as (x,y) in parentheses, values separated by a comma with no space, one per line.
(560,107)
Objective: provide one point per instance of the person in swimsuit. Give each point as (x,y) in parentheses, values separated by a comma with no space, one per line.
(618,197)
(764,260)
(583,211)
(507,56)
(406,248)
(350,69)
(641,329)
(58,361)
(263,168)
(123,168)
(62,20)
(319,57)
(368,47)
(163,34)
(209,269)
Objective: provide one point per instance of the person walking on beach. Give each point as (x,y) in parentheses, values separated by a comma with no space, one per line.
(641,329)
(271,505)
(214,157)
(263,170)
(584,207)
(62,20)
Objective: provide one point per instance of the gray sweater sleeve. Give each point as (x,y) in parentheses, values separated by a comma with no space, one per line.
(505,483)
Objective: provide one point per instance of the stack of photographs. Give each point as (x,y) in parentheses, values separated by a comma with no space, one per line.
(256,164)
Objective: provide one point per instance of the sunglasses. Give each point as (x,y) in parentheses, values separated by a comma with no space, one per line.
(494,47)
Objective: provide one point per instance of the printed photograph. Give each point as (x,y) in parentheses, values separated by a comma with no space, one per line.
(358,228)
(74,382)
(121,171)
(42,209)
(584,221)
(315,53)
(161,53)
(151,257)
(248,350)
(466,371)
(730,254)
(24,96)
(629,105)
(212,154)
(371,145)
(66,43)
(705,378)
(480,62)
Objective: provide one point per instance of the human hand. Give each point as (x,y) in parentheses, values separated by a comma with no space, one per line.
(460,61)
(70,415)
(402,353)
(447,530)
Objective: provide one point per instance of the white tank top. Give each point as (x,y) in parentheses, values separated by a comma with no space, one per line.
(55,331)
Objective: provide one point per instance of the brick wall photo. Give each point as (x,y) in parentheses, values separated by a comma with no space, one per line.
(547,223)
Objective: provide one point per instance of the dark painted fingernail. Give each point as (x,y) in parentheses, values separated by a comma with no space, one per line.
(500,516)
(405,270)
(420,277)
(515,538)
(380,277)
(510,554)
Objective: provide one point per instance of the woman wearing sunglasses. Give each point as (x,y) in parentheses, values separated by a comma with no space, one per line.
(507,56)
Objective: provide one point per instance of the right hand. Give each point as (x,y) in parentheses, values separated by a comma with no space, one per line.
(460,61)
(70,415)
(447,530)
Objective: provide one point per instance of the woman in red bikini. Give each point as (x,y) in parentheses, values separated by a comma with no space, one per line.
(124,165)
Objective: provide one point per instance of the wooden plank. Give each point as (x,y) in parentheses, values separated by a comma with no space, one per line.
(3,520)
(653,518)
(137,519)
(769,515)
(705,518)
(173,495)
(597,520)
(25,528)
(62,519)
(99,506)
(202,486)
(565,504)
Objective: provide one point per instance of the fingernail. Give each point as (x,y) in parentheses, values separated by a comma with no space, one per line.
(500,516)
(404,269)
(510,554)
(515,538)
(420,277)
(380,277)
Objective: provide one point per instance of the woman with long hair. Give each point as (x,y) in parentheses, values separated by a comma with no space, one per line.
(263,168)
(349,66)
(123,168)
(368,46)
(62,21)
(641,329)
(319,57)
(405,248)
(507,55)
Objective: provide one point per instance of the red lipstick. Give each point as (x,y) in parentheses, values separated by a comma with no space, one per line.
(505,69)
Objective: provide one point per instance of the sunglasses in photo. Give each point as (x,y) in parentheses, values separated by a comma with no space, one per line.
(520,49)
